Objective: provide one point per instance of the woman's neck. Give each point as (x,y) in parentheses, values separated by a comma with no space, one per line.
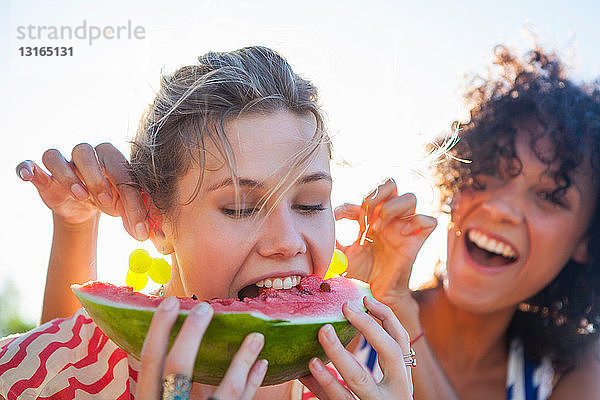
(463,339)
(175,286)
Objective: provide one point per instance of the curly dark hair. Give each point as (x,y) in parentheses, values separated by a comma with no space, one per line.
(564,318)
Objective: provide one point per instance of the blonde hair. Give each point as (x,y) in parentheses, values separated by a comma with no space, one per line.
(193,104)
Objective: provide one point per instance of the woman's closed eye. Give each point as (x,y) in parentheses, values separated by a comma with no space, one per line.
(240,212)
(309,208)
(243,212)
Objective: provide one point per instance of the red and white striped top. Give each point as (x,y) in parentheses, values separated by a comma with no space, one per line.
(65,358)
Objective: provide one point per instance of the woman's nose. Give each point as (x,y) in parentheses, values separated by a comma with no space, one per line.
(503,206)
(280,236)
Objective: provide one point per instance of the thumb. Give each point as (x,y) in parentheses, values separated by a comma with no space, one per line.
(29,171)
(50,191)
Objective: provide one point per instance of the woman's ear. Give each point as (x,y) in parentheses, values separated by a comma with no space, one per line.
(157,226)
(581,254)
(160,241)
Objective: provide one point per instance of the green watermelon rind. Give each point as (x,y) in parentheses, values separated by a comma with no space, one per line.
(289,346)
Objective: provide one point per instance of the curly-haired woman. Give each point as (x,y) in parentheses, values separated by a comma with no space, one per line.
(515,311)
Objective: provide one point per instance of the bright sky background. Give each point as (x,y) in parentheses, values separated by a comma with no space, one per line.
(390,76)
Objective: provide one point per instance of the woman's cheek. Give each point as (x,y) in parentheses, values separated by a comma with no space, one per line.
(326,245)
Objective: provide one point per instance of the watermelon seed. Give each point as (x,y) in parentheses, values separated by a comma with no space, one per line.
(194,297)
(325,287)
(305,291)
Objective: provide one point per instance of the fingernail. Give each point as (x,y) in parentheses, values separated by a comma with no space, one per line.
(78,191)
(168,303)
(256,341)
(25,174)
(105,199)
(262,366)
(329,333)
(317,364)
(141,231)
(200,309)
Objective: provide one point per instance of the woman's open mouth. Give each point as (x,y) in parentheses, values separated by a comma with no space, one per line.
(488,251)
(286,282)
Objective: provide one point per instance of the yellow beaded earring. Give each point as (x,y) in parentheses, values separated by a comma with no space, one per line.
(338,265)
(142,266)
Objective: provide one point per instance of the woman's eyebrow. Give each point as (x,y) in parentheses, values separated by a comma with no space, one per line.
(254,184)
(315,177)
(251,183)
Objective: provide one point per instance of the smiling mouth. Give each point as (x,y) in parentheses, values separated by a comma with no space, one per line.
(489,251)
(279,283)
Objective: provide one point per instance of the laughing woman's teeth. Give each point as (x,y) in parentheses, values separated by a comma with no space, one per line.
(484,242)
(268,283)
(260,283)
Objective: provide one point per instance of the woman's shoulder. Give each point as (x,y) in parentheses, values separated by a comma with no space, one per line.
(581,381)
(65,357)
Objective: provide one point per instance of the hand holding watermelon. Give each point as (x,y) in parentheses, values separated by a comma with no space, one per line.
(391,342)
(243,377)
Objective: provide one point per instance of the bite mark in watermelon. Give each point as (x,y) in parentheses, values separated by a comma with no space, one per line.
(288,318)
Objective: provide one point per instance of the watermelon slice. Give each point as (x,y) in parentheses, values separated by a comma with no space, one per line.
(288,318)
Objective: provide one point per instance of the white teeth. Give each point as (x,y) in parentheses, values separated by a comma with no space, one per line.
(493,246)
(508,252)
(287,282)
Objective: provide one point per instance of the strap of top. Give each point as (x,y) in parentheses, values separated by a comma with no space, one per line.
(525,380)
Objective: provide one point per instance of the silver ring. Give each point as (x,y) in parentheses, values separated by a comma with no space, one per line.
(176,387)
(410,359)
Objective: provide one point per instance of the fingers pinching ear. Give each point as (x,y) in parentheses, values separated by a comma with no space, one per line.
(398,207)
(373,201)
(116,168)
(63,173)
(85,160)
